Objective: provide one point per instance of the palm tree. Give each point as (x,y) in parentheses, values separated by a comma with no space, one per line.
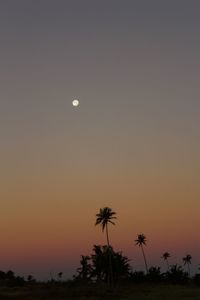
(105,216)
(98,262)
(165,256)
(101,264)
(85,268)
(141,240)
(187,260)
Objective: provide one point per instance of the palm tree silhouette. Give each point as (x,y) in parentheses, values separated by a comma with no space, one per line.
(105,216)
(165,256)
(141,240)
(187,261)
(85,268)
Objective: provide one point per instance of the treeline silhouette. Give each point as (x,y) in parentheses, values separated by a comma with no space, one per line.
(95,268)
(105,265)
(10,279)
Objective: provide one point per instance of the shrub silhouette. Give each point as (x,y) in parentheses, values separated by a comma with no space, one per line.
(176,275)
(9,279)
(154,274)
(99,268)
(137,276)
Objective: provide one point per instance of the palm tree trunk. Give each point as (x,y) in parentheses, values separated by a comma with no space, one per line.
(108,242)
(110,273)
(144,259)
(188,269)
(167,264)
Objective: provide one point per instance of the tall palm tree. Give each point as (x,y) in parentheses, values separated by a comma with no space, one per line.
(140,241)
(165,256)
(105,216)
(187,261)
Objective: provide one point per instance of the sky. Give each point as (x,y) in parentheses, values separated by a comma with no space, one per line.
(133,143)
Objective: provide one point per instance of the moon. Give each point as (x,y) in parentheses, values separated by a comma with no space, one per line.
(75,102)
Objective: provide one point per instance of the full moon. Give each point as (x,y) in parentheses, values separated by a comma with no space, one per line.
(75,102)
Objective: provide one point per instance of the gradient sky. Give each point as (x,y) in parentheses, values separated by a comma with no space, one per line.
(133,143)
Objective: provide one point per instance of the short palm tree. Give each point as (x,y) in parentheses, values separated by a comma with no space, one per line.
(165,256)
(140,241)
(85,268)
(105,216)
(187,261)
